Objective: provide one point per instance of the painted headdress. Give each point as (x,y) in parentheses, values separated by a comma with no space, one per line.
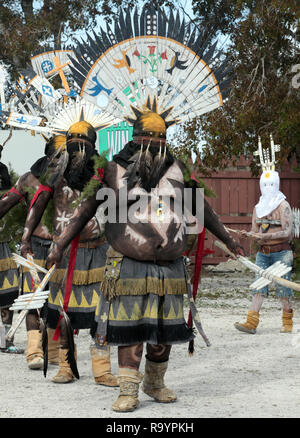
(37,105)
(269,181)
(153,70)
(50,63)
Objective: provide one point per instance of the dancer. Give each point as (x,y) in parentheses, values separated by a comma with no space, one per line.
(9,275)
(145,280)
(24,190)
(81,298)
(272,224)
(154,73)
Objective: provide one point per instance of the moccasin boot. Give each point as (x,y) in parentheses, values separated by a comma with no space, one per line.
(250,325)
(153,383)
(129,381)
(64,374)
(35,355)
(101,367)
(53,348)
(287,322)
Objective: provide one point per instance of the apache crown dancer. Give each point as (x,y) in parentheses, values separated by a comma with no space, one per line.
(89,257)
(145,276)
(272,225)
(25,189)
(153,71)
(134,74)
(9,275)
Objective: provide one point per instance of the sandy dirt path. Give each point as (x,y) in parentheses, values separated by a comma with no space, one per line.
(239,376)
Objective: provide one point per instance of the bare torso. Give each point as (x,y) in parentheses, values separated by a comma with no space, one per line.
(275,233)
(27,185)
(156,233)
(64,207)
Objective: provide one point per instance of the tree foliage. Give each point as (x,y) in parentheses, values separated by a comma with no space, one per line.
(262,40)
(27,25)
(261,36)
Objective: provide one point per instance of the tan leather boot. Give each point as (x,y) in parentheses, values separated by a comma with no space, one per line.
(101,367)
(35,355)
(153,383)
(287,322)
(53,348)
(64,374)
(250,325)
(129,381)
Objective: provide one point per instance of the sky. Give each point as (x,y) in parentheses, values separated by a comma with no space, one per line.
(22,150)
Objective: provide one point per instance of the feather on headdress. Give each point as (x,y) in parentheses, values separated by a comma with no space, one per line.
(58,118)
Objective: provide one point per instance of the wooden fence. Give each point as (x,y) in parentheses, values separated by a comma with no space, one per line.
(237,193)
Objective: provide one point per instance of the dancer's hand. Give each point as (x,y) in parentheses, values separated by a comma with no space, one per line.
(54,257)
(26,248)
(235,247)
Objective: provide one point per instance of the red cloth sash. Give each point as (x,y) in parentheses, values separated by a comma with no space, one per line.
(71,266)
(15,191)
(198,266)
(38,192)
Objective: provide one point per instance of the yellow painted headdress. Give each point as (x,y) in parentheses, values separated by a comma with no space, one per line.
(149,123)
(83,130)
(54,144)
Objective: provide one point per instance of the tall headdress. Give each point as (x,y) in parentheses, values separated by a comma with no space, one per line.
(34,93)
(269,181)
(54,62)
(36,105)
(267,163)
(152,63)
(271,177)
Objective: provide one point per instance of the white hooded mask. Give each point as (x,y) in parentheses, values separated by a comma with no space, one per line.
(271,196)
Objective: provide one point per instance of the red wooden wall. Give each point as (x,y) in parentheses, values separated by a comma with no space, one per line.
(237,193)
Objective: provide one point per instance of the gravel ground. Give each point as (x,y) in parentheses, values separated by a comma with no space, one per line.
(239,376)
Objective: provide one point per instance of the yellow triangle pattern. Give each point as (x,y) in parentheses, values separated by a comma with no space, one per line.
(147,310)
(27,285)
(59,299)
(8,285)
(136,312)
(172,314)
(121,315)
(73,303)
(151,313)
